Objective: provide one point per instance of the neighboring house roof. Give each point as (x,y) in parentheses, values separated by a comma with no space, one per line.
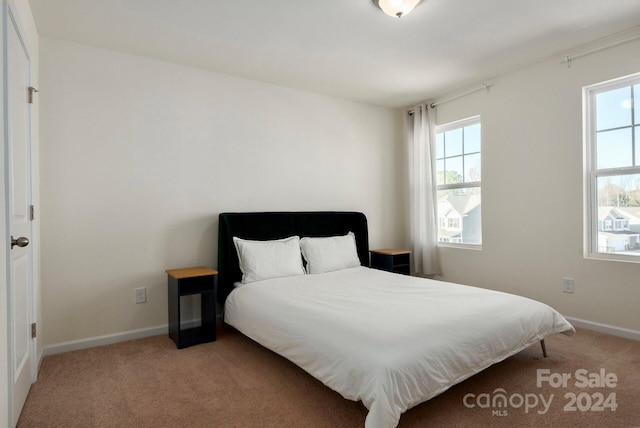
(463,204)
(608,211)
(444,208)
(619,212)
(632,213)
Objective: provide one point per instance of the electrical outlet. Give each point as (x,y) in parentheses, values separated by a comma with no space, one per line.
(567,285)
(140,295)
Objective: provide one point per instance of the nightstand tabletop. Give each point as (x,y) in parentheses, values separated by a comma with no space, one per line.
(390,251)
(191,272)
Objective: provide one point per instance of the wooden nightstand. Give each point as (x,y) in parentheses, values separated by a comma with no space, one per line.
(396,261)
(186,282)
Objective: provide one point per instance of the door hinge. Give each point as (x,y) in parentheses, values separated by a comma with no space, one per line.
(33,330)
(32,212)
(31,91)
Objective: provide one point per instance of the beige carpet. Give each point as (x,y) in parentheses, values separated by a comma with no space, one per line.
(234,382)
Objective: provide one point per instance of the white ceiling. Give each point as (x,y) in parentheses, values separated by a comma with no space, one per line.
(344,48)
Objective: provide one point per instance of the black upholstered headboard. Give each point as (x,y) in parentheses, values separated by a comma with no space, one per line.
(275,225)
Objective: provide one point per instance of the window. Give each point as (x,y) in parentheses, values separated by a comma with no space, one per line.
(612,169)
(458,183)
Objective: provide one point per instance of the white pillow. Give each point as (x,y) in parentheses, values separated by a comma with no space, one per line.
(330,254)
(269,259)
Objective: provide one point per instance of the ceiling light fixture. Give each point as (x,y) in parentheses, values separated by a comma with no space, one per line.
(396,8)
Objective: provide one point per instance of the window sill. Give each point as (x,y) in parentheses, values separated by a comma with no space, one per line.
(612,257)
(461,246)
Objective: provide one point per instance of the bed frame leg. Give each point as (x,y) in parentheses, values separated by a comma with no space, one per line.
(544,348)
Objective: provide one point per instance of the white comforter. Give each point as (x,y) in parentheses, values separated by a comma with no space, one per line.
(389,340)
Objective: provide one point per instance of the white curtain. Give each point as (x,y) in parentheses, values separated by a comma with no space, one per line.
(423,205)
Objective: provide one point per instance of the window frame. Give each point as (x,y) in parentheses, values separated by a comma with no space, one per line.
(591,170)
(462,123)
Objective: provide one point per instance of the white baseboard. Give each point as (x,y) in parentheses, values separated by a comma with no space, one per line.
(605,328)
(108,339)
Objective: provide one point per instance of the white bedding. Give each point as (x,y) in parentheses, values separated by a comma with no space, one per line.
(391,341)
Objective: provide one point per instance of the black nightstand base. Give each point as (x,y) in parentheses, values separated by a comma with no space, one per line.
(396,261)
(189,282)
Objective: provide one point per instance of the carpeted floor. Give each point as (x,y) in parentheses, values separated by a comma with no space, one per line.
(234,382)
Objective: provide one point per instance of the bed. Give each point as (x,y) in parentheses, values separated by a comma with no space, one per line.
(391,341)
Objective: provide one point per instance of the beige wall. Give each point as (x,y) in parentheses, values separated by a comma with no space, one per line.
(139,157)
(532,191)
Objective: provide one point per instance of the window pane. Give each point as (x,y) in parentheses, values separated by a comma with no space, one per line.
(614,149)
(459,216)
(636,99)
(453,142)
(440,171)
(613,109)
(439,146)
(472,167)
(619,214)
(472,138)
(637,131)
(453,168)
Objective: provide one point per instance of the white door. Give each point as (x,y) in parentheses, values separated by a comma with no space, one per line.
(19,191)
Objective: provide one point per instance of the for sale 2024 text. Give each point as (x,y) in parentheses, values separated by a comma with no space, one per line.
(586,400)
(582,378)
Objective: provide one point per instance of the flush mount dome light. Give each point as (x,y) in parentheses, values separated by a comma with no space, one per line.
(396,8)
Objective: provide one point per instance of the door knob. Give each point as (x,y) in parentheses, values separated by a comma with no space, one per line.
(22,241)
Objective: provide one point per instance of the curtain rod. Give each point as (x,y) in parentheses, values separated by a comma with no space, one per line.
(568,58)
(484,86)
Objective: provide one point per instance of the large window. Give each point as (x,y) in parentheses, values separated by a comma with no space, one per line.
(458,173)
(612,169)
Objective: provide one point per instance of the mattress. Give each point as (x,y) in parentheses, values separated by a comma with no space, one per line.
(391,341)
